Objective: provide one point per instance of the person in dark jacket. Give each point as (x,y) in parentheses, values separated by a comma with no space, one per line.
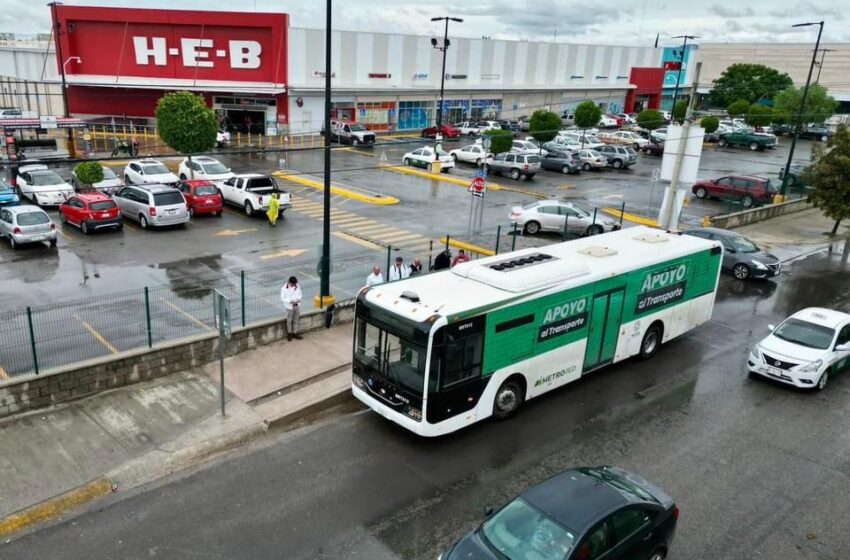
(443,260)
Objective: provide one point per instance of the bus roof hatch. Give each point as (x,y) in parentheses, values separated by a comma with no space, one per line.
(522,272)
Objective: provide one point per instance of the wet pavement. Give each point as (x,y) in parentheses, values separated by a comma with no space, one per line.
(759,470)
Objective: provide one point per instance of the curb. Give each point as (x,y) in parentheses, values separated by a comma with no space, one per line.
(438,177)
(344,397)
(469,247)
(634,218)
(367,198)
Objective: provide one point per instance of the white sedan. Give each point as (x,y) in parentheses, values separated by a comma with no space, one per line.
(42,185)
(425,157)
(805,349)
(528,147)
(474,153)
(607,122)
(627,138)
(149,172)
(205,168)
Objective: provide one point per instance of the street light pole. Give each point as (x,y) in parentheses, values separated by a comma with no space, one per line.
(57,31)
(798,122)
(325,298)
(681,65)
(820,64)
(444,48)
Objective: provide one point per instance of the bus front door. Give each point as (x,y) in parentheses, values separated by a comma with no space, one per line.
(604,328)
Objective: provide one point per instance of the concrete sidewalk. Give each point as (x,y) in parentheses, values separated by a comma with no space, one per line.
(794,235)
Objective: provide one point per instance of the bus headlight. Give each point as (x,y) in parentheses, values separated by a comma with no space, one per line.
(358,381)
(414,413)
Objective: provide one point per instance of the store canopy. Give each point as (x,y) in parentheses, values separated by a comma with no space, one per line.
(41,123)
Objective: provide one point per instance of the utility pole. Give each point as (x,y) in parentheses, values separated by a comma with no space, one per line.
(57,31)
(820,64)
(681,65)
(799,120)
(325,298)
(444,49)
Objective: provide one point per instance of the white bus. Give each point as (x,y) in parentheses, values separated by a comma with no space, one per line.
(439,352)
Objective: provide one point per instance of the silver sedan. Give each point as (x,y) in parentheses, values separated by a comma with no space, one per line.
(555,215)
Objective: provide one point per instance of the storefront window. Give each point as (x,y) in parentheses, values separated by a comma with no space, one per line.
(376,115)
(415,114)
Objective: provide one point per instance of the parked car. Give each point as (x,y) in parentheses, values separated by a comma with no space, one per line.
(607,121)
(627,118)
(817,132)
(468,128)
(805,350)
(42,186)
(510,125)
(527,147)
(619,157)
(473,153)
(748,190)
(484,126)
(563,143)
(90,212)
(26,224)
(591,159)
(795,175)
(252,192)
(624,138)
(586,513)
(586,140)
(202,197)
(653,149)
(447,130)
(568,118)
(152,205)
(149,172)
(741,257)
(747,137)
(516,165)
(204,168)
(780,129)
(524,123)
(551,215)
(561,161)
(8,196)
(351,133)
(425,157)
(110,184)
(659,135)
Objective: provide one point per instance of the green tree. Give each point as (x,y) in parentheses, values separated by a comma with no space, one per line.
(544,126)
(185,123)
(710,124)
(738,108)
(829,177)
(587,115)
(819,105)
(88,173)
(650,119)
(758,115)
(680,110)
(500,140)
(750,82)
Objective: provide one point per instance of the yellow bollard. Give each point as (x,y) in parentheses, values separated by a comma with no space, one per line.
(239,139)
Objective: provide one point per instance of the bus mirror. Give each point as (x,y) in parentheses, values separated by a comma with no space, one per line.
(771,327)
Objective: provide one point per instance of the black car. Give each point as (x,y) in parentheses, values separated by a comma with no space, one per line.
(561,161)
(741,257)
(653,149)
(817,132)
(580,514)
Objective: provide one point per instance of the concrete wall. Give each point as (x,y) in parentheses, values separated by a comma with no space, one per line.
(67,384)
(738,219)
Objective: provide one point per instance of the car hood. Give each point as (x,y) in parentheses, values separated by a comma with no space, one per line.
(109,183)
(61,187)
(8,195)
(161,178)
(219,176)
(470,547)
(763,257)
(778,348)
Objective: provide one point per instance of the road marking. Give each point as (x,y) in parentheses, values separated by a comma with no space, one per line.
(130,226)
(65,235)
(358,241)
(283,253)
(3,374)
(401,236)
(380,229)
(356,151)
(610,196)
(355,221)
(186,314)
(97,336)
(233,232)
(616,212)
(566,186)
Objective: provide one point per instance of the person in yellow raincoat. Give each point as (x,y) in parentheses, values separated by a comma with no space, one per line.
(274,210)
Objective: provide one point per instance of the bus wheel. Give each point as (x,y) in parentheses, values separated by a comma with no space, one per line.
(651,341)
(508,399)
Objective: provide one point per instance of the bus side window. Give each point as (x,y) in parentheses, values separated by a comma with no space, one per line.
(437,360)
(462,358)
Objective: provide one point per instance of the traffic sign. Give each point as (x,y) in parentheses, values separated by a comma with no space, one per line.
(486,142)
(478,186)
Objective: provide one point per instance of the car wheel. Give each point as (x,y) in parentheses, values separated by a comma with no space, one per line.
(532,228)
(586,166)
(191,211)
(424,134)
(12,243)
(183,177)
(658,555)
(515,174)
(701,192)
(508,399)
(249,208)
(594,229)
(143,222)
(617,164)
(454,158)
(754,146)
(824,138)
(651,341)
(84,227)
(741,271)
(747,201)
(565,169)
(406,161)
(722,143)
(430,167)
(355,141)
(486,168)
(478,162)
(824,379)
(52,243)
(636,146)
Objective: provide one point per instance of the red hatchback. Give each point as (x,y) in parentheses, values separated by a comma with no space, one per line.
(447,131)
(90,212)
(202,197)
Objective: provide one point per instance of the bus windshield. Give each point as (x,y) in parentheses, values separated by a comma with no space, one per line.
(395,359)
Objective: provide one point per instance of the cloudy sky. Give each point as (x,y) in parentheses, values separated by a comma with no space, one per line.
(591,21)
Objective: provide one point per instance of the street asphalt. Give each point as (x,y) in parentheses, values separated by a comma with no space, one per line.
(759,470)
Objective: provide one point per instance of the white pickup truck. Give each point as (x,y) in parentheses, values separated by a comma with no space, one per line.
(252,192)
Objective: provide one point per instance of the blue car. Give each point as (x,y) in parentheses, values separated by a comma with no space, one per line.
(8,196)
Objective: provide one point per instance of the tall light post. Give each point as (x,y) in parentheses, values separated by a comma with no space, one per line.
(802,111)
(325,298)
(820,64)
(57,32)
(681,65)
(444,48)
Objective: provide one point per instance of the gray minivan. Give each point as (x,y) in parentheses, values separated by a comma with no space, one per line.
(152,205)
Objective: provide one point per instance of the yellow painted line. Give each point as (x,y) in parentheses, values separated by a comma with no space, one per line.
(63,234)
(355,221)
(367,198)
(358,241)
(127,224)
(356,151)
(380,229)
(444,177)
(468,247)
(54,507)
(186,314)
(634,218)
(566,186)
(97,336)
(406,236)
(3,374)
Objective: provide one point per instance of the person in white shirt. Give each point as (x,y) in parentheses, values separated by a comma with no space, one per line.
(290,297)
(399,270)
(375,278)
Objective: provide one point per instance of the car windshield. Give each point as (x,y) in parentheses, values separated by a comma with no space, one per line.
(103,205)
(155,169)
(5,188)
(392,357)
(214,168)
(529,205)
(744,245)
(206,190)
(357,127)
(805,333)
(168,198)
(41,178)
(32,218)
(519,531)
(624,484)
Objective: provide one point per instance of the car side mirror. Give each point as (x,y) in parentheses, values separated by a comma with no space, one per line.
(771,327)
(488,511)
(731,250)
(843,347)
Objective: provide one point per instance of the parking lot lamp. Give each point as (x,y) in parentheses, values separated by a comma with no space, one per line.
(799,120)
(444,48)
(681,65)
(325,298)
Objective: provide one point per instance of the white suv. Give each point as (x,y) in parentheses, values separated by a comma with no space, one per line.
(206,168)
(149,172)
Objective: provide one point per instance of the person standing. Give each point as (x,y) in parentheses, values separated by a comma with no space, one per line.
(375,278)
(416,266)
(443,260)
(461,257)
(290,296)
(399,270)
(274,210)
